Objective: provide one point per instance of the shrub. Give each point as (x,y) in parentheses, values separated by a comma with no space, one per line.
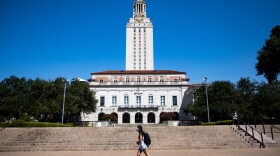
(224,122)
(107,117)
(164,116)
(22,123)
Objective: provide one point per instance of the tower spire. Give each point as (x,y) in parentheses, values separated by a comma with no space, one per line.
(139,8)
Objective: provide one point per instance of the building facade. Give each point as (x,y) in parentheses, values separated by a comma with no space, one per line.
(139,94)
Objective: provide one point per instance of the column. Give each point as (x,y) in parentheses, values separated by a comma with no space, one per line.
(120,115)
(157,117)
(132,118)
(145,117)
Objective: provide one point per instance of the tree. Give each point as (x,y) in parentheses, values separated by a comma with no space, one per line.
(38,107)
(42,100)
(268,101)
(199,108)
(222,101)
(79,98)
(246,97)
(268,57)
(14,95)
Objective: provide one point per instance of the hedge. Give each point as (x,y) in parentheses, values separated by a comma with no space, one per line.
(224,122)
(22,123)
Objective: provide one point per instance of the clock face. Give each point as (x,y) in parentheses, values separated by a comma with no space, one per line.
(139,18)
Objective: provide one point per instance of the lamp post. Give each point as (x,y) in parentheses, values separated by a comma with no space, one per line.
(205,79)
(84,117)
(62,116)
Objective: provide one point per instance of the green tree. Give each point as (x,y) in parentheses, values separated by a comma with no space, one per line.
(14,95)
(199,108)
(79,98)
(268,57)
(268,101)
(42,100)
(222,101)
(246,97)
(40,107)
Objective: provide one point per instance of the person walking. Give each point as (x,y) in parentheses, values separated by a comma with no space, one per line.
(142,146)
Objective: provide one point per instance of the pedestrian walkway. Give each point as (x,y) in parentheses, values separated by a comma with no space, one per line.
(201,152)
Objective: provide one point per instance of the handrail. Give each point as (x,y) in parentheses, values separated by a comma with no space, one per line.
(271,130)
(275,127)
(263,122)
(253,134)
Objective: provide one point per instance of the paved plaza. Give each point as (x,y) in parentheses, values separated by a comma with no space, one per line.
(202,152)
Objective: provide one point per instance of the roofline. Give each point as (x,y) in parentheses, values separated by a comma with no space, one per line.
(133,72)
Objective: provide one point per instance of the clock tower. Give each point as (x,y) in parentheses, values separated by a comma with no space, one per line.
(139,39)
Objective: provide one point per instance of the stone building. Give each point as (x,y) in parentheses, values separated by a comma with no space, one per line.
(139,94)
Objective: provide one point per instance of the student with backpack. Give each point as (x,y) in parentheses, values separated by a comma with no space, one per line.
(143,141)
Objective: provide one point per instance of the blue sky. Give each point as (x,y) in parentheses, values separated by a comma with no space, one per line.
(72,38)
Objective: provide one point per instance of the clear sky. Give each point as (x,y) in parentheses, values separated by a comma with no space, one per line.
(72,38)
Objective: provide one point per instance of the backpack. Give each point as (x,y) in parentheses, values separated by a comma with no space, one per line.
(147,139)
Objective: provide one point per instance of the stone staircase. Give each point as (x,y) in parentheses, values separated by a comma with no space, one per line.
(119,138)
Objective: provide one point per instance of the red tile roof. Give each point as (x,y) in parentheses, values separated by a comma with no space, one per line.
(132,72)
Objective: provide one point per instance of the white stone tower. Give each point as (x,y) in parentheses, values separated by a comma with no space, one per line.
(139,39)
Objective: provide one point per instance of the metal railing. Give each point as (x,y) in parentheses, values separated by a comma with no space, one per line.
(252,132)
(271,129)
(263,123)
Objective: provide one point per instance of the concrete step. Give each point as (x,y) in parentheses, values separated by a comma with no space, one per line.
(117,138)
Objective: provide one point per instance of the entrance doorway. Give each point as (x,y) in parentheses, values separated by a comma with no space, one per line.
(138,118)
(126,118)
(100,116)
(151,118)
